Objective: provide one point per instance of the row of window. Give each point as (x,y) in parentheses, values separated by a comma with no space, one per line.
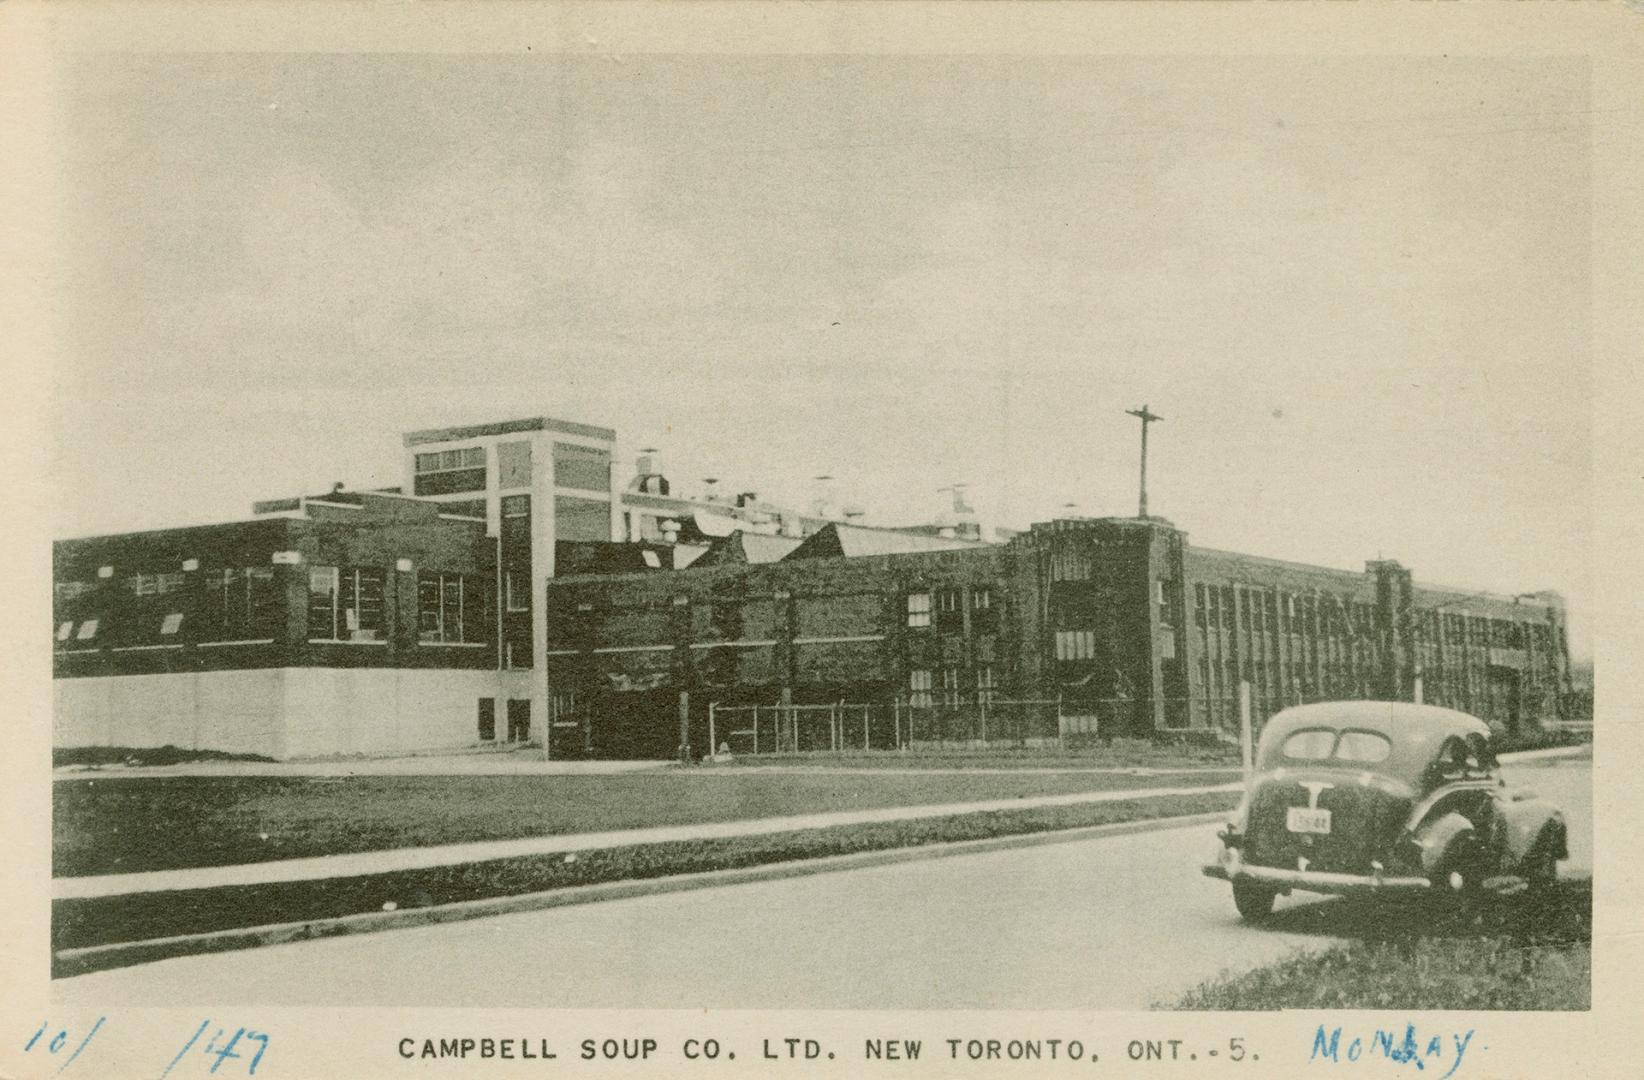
(1268,610)
(344,604)
(1264,610)
(922,693)
(444,472)
(347,604)
(948,602)
(239,603)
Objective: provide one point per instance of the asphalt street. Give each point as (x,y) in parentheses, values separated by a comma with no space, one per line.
(1112,923)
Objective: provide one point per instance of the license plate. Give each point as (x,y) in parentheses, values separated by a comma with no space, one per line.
(1301,819)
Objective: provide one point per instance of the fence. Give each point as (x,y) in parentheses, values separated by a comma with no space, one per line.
(903,724)
(933,722)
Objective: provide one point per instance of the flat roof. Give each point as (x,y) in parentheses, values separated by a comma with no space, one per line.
(507,427)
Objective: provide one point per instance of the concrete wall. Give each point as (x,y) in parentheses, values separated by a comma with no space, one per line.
(281,712)
(239,711)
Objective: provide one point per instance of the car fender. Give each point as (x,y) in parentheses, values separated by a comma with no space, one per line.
(1439,836)
(1528,823)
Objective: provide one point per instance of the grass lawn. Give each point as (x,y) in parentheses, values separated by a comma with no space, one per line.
(1514,954)
(144,916)
(104,826)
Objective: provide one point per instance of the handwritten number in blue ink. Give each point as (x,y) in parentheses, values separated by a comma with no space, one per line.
(261,1040)
(196,1038)
(56,1043)
(83,1043)
(227,1051)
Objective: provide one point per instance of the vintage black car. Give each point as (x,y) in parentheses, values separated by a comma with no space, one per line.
(1383,797)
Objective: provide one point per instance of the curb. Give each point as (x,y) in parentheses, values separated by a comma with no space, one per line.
(1515,756)
(70,962)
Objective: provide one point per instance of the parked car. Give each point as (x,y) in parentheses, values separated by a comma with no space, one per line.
(1383,797)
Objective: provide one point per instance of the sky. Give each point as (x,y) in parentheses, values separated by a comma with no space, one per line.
(1357,290)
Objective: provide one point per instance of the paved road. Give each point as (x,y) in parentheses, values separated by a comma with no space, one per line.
(1112,923)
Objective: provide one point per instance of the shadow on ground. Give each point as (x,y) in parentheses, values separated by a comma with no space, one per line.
(1561,915)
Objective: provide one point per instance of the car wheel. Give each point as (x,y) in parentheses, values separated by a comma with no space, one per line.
(1458,884)
(1255,902)
(1541,869)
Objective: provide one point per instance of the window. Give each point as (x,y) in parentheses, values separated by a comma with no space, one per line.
(154,584)
(171,623)
(64,591)
(449,609)
(487,719)
(516,506)
(652,559)
(64,630)
(443,472)
(518,591)
(1075,644)
(919,609)
(981,599)
(1160,597)
(345,604)
(1069,563)
(514,464)
(240,603)
(984,685)
(950,686)
(88,630)
(587,468)
(1310,744)
(919,688)
(581,519)
(949,600)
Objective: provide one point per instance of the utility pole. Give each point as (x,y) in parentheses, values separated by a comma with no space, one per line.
(1146,418)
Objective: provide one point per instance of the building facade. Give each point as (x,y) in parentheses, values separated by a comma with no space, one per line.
(1076,628)
(512,590)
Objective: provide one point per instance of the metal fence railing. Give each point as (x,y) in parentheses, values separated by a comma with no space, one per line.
(932,721)
(917,722)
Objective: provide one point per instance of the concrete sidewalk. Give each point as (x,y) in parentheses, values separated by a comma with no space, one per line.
(380,862)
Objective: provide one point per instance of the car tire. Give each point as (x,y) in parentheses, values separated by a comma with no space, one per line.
(1540,869)
(1255,902)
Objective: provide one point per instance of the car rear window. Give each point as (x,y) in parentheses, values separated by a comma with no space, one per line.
(1310,744)
(1321,744)
(1363,746)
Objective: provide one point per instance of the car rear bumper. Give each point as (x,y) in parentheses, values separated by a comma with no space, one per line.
(1230,866)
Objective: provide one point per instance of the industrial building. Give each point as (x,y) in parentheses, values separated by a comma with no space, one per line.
(512,589)
(1077,628)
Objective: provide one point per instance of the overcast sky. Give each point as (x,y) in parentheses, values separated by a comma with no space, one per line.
(1357,290)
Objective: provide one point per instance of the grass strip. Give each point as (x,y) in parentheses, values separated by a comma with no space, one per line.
(136,917)
(181,822)
(141,756)
(1513,955)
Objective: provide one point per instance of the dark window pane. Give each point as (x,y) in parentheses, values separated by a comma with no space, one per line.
(581,519)
(581,467)
(446,483)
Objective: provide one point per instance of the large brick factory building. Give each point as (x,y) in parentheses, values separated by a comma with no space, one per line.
(511,586)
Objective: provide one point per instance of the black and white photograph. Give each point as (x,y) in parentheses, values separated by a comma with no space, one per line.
(824,542)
